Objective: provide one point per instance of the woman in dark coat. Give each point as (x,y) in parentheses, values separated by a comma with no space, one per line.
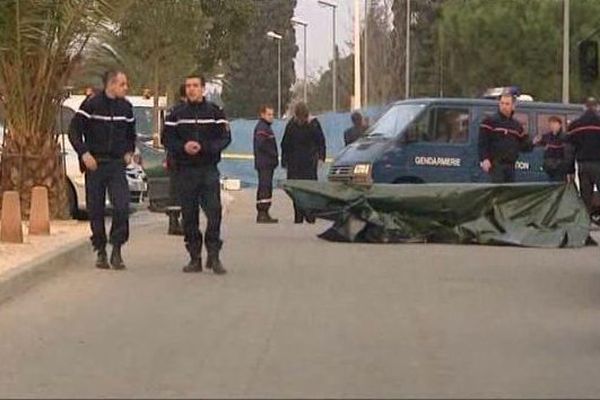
(302,147)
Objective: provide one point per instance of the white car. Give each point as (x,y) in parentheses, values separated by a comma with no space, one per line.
(136,177)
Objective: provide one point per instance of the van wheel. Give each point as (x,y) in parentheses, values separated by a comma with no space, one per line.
(408,180)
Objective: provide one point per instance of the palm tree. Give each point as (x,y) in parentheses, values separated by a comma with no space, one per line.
(41,43)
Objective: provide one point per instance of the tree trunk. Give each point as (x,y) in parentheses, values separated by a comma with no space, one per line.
(23,168)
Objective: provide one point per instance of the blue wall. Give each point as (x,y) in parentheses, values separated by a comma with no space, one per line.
(333,124)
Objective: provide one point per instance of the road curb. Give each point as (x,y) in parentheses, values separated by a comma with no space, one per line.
(22,278)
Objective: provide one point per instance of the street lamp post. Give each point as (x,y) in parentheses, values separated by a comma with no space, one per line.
(303,24)
(407,69)
(566,38)
(278,38)
(333,5)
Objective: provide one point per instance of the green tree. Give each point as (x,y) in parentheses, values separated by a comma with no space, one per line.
(512,42)
(41,43)
(157,56)
(252,76)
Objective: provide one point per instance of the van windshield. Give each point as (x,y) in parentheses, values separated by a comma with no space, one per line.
(395,120)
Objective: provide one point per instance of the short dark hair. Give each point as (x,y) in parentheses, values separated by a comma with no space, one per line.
(301,113)
(182,90)
(110,75)
(554,118)
(591,103)
(508,94)
(264,107)
(197,76)
(356,118)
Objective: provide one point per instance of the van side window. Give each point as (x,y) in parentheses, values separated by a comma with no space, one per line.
(543,122)
(523,118)
(451,125)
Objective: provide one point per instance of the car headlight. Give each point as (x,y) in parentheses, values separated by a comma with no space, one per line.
(362,169)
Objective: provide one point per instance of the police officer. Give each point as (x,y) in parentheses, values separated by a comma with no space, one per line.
(103,134)
(195,134)
(584,136)
(266,160)
(554,143)
(173,208)
(501,139)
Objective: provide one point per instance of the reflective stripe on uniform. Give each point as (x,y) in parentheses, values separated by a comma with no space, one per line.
(105,117)
(197,121)
(264,201)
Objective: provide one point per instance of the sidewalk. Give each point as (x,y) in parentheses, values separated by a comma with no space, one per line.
(62,233)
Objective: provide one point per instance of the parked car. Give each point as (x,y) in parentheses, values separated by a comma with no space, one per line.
(136,177)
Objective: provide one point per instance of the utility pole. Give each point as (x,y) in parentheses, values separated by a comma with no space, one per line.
(407,68)
(357,82)
(278,38)
(302,23)
(566,51)
(333,5)
(366,54)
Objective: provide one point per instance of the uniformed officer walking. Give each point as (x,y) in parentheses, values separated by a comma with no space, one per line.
(501,139)
(195,134)
(103,134)
(584,136)
(266,160)
(173,207)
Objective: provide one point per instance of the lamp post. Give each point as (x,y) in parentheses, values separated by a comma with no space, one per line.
(299,22)
(333,5)
(357,65)
(566,48)
(407,69)
(278,38)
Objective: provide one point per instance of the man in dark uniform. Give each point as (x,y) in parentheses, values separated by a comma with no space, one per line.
(266,160)
(501,139)
(584,136)
(173,208)
(103,134)
(357,130)
(554,143)
(195,134)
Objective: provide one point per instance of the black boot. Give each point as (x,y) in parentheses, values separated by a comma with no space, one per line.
(116,260)
(298,217)
(102,260)
(173,222)
(178,230)
(263,217)
(195,264)
(215,264)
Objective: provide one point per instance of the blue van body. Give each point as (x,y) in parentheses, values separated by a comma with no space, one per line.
(436,141)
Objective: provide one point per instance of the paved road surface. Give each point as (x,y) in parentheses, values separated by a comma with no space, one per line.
(300,317)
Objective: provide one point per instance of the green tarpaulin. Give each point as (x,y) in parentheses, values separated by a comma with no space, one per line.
(531,215)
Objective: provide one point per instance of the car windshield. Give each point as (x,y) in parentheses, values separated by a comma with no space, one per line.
(143,120)
(395,120)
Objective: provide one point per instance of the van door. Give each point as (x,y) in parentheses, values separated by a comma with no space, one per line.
(525,165)
(437,145)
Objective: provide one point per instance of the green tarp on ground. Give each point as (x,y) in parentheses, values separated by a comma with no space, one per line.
(530,215)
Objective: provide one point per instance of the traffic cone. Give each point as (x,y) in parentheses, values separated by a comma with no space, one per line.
(39,216)
(11,230)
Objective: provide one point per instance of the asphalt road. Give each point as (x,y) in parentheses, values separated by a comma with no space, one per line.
(300,317)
